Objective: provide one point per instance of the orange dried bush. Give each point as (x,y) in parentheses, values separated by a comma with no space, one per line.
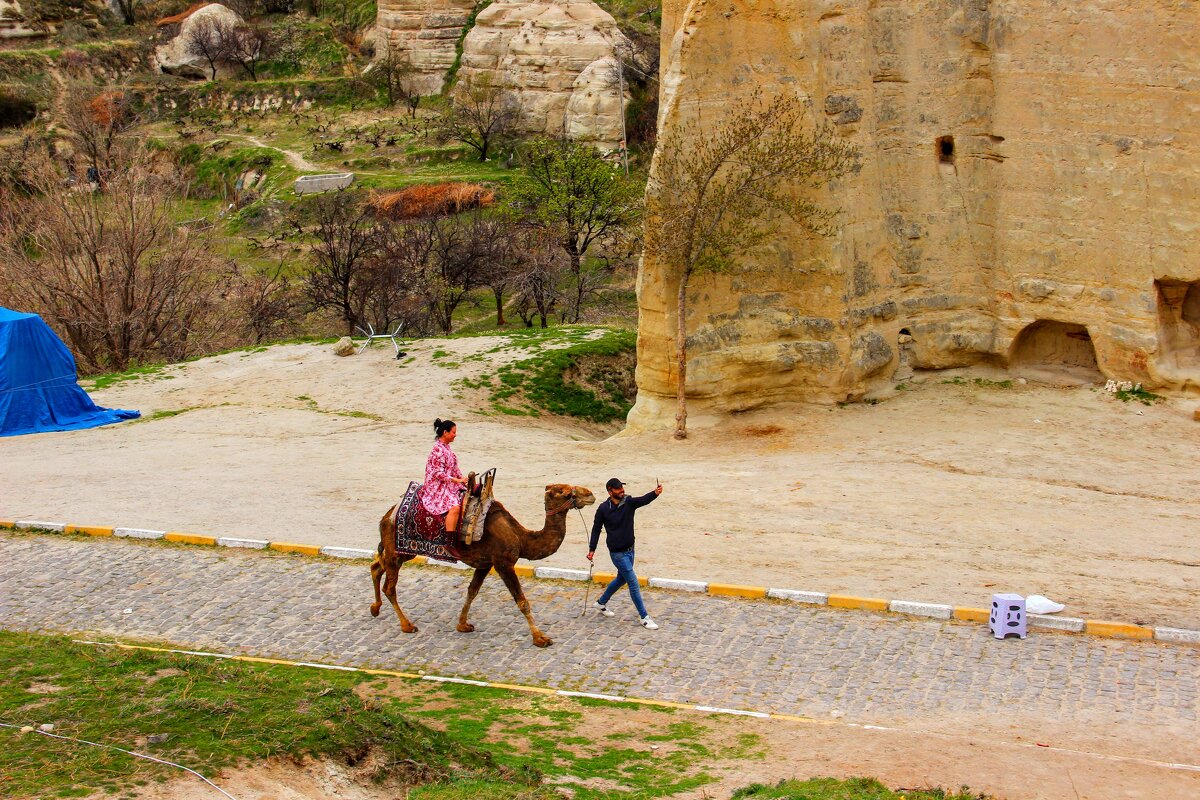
(431,200)
(107,107)
(175,19)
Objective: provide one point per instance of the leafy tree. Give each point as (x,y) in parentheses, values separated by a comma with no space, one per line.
(570,189)
(480,115)
(718,192)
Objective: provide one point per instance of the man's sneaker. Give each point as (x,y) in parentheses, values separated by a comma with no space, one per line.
(603,609)
(649,624)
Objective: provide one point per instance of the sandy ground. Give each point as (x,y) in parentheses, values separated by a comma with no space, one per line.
(1005,766)
(945,493)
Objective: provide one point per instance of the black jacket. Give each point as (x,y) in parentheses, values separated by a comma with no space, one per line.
(618,522)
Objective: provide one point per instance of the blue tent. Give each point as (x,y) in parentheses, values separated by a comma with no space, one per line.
(38,388)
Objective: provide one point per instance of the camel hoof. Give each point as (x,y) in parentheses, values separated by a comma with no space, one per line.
(374,609)
(409,628)
(466,627)
(543,641)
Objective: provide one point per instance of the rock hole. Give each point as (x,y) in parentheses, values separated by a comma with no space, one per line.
(1055,352)
(1179,324)
(16,111)
(945,149)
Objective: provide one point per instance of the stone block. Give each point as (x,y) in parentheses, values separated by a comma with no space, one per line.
(33,524)
(315,184)
(347,552)
(561,574)
(935,610)
(1050,622)
(253,544)
(797,596)
(138,533)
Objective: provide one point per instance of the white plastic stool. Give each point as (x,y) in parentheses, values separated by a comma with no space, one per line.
(1008,615)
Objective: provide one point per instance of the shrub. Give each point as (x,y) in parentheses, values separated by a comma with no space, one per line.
(431,200)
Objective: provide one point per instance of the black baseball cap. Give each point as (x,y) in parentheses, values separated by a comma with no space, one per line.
(613,483)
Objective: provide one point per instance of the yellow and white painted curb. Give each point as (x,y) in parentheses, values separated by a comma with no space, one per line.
(640,701)
(1117,630)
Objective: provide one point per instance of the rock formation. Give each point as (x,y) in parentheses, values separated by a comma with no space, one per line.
(557,59)
(1029,197)
(426,32)
(176,57)
(13,24)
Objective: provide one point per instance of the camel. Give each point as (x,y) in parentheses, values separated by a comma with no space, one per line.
(504,541)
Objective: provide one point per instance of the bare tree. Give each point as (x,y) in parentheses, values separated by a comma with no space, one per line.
(537,277)
(96,123)
(245,45)
(719,189)
(127,9)
(267,302)
(394,73)
(346,244)
(113,272)
(480,115)
(209,37)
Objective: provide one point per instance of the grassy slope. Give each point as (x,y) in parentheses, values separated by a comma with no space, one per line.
(453,742)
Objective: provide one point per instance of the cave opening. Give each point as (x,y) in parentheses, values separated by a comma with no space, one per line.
(945,149)
(1179,324)
(1055,352)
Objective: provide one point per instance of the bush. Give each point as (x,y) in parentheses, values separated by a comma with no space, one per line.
(431,200)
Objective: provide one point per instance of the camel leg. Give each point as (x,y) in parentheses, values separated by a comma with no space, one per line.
(376,576)
(389,589)
(472,590)
(514,588)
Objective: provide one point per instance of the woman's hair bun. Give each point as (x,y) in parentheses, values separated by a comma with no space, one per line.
(440,426)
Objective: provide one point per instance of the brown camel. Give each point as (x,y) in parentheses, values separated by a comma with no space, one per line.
(504,541)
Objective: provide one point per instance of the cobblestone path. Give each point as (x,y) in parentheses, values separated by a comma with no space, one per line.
(765,656)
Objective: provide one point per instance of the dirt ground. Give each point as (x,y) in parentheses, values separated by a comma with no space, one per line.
(946,492)
(1005,767)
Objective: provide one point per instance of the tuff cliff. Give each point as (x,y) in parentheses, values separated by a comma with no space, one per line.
(557,58)
(1029,196)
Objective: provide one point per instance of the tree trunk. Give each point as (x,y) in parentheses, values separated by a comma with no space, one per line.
(500,323)
(681,354)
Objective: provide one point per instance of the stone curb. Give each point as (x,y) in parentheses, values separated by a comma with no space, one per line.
(1105,628)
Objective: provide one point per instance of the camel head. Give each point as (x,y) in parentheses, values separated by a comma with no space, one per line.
(565,496)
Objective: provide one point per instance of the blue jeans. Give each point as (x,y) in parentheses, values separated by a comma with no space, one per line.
(625,576)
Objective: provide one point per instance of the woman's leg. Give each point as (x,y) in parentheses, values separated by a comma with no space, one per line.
(452,518)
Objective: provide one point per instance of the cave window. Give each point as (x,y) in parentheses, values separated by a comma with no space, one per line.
(945,149)
(1179,324)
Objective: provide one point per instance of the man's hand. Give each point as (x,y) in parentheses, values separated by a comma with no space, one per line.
(658,489)
(591,554)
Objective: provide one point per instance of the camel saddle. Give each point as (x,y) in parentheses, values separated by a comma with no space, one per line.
(479,502)
(420,533)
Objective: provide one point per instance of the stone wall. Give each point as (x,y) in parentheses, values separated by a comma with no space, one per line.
(1023,160)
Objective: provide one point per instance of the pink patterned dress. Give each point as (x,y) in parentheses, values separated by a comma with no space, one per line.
(440,494)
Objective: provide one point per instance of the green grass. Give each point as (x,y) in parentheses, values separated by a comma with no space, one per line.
(585,379)
(1138,395)
(97,382)
(212,713)
(852,789)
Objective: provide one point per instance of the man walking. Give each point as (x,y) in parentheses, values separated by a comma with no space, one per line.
(616,515)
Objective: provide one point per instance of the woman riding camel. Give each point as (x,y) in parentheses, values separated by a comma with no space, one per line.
(444,481)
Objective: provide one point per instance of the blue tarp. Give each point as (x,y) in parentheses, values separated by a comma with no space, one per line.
(38,388)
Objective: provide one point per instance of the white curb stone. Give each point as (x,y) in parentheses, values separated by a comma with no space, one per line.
(797,596)
(592,696)
(464,681)
(682,586)
(935,610)
(1070,624)
(735,711)
(139,533)
(1177,635)
(561,574)
(254,544)
(26,524)
(347,552)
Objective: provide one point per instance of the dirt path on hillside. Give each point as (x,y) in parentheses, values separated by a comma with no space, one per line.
(946,493)
(295,159)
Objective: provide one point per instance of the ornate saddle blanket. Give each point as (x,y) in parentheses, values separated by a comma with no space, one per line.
(420,533)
